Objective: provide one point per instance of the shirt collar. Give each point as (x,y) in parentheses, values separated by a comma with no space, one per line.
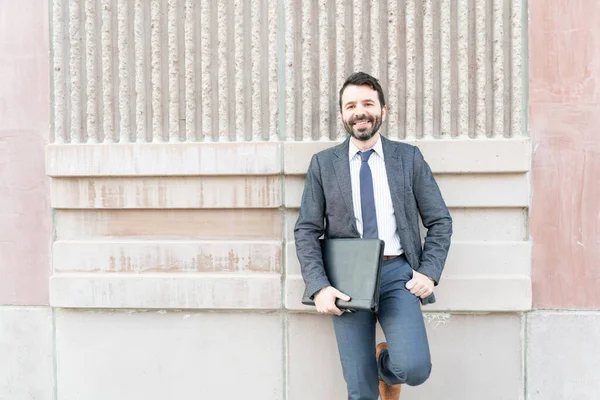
(378,147)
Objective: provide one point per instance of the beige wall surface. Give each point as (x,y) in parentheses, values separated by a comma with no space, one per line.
(565,122)
(25,217)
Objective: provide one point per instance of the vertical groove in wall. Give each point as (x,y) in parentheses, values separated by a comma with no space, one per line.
(256,104)
(375,39)
(358,35)
(447,79)
(481,66)
(206,78)
(271,73)
(107,73)
(222,67)
(428,67)
(381,25)
(340,59)
(419,68)
(307,69)
(332,75)
(215,69)
(173,70)
(489,69)
(264,70)
(437,65)
(181,54)
(290,71)
(393,46)
(315,71)
(472,68)
(155,43)
(498,68)
(123,58)
(140,72)
(516,72)
(324,81)
(91,87)
(58,44)
(239,45)
(507,63)
(462,67)
(410,82)
(190,71)
(75,69)
(402,43)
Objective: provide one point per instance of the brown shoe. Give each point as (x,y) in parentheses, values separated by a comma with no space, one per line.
(387,392)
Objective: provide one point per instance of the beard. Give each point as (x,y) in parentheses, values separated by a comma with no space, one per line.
(363,134)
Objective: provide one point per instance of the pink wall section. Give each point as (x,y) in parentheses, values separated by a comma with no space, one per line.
(25,218)
(564,112)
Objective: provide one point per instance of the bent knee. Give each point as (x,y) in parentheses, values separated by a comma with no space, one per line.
(417,375)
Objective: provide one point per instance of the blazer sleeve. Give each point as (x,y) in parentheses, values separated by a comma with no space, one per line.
(310,226)
(435,216)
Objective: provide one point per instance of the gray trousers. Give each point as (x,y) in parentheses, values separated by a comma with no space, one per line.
(407,359)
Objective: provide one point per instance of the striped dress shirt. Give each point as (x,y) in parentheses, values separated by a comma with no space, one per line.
(386,220)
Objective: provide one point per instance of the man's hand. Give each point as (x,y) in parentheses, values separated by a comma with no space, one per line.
(325,300)
(420,285)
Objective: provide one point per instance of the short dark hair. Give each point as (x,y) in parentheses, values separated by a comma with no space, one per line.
(360,79)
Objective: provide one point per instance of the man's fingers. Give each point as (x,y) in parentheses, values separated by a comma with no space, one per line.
(410,284)
(342,296)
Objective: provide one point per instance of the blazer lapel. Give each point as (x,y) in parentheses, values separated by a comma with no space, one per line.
(341,166)
(395,176)
(394,169)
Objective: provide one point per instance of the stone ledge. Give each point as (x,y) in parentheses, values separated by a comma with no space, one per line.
(465,258)
(167,256)
(455,294)
(164,159)
(484,190)
(166,192)
(180,291)
(449,156)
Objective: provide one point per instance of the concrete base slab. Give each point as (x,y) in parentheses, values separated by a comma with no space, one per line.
(562,355)
(474,357)
(26,348)
(157,355)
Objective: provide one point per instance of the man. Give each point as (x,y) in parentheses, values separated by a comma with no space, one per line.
(372,187)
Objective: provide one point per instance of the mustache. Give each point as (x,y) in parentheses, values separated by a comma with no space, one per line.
(361,117)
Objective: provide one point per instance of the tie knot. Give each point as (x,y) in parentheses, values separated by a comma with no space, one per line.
(364,155)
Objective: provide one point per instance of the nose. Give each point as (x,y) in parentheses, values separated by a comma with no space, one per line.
(359,110)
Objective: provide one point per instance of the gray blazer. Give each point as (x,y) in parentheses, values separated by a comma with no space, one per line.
(327,209)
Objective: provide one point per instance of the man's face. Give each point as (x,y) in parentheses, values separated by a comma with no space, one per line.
(361,112)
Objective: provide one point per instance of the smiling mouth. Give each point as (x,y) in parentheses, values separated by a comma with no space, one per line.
(362,123)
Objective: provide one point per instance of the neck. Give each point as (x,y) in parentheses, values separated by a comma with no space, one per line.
(367,144)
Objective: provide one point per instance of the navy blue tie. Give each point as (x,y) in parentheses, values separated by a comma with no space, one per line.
(367,198)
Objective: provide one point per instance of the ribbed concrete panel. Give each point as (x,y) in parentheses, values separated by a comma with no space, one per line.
(164,70)
(448,67)
(193,70)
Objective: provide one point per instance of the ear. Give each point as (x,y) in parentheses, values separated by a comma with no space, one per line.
(383,113)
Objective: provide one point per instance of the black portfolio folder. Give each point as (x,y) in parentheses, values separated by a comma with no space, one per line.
(353,266)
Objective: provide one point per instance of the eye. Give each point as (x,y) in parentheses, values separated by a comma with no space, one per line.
(349,107)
